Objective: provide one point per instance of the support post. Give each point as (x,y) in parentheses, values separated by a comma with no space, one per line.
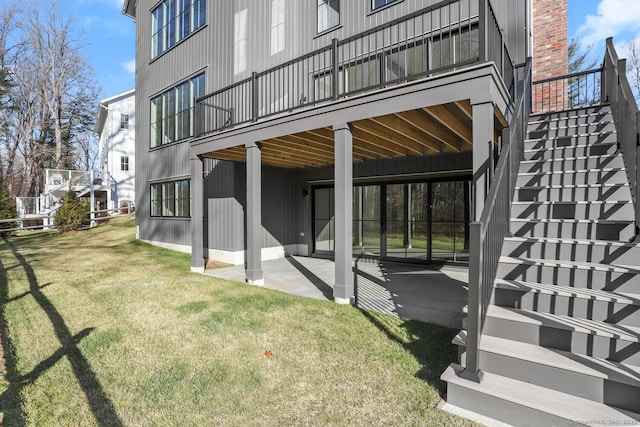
(92,201)
(482,147)
(482,142)
(197,216)
(253,271)
(343,158)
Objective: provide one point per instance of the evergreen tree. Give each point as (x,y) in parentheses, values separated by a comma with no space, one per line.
(7,211)
(72,214)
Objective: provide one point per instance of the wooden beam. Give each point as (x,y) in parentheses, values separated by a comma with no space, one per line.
(286,145)
(447,119)
(383,137)
(361,148)
(417,141)
(434,130)
(465,107)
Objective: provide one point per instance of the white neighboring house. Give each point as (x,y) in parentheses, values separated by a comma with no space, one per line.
(115,124)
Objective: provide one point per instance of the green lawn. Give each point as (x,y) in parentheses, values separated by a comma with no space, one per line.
(99,329)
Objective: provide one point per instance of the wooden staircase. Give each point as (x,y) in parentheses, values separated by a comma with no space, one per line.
(561,339)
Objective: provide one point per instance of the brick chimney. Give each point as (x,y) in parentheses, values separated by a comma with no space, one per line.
(550,43)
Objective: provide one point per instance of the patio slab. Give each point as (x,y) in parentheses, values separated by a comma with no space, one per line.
(433,294)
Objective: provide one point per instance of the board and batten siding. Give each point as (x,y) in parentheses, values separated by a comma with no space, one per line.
(236,41)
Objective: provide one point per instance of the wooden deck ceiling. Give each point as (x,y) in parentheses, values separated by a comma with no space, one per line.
(426,131)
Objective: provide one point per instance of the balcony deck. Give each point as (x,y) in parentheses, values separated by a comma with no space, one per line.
(429,46)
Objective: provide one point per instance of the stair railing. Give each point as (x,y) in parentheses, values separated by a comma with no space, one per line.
(617,92)
(487,234)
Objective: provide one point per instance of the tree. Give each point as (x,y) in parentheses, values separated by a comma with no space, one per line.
(72,214)
(583,89)
(7,211)
(52,92)
(633,68)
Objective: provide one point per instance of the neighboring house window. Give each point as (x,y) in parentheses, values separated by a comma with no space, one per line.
(124,163)
(328,14)
(174,20)
(172,112)
(124,121)
(171,199)
(376,4)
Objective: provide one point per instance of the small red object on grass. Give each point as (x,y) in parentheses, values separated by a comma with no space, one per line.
(268,353)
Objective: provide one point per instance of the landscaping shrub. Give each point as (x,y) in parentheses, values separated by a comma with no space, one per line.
(7,211)
(72,214)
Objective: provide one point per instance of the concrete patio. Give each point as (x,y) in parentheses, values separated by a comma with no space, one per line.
(433,294)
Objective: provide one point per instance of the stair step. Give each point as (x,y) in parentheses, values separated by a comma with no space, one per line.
(570,264)
(591,114)
(569,291)
(573,228)
(524,404)
(616,384)
(581,336)
(559,128)
(571,273)
(575,176)
(578,302)
(599,251)
(572,163)
(600,209)
(573,192)
(571,151)
(592,139)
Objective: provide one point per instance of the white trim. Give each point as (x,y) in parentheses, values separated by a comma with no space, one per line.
(172,246)
(227,257)
(267,254)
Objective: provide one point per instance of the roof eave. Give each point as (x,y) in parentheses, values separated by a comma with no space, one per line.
(129,9)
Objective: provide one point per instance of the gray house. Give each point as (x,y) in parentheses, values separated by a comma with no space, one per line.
(403,129)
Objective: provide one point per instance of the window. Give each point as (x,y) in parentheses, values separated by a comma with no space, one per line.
(376,4)
(124,121)
(328,14)
(124,163)
(172,112)
(171,199)
(174,20)
(277,26)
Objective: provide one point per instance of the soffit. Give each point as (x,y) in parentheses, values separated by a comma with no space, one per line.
(420,132)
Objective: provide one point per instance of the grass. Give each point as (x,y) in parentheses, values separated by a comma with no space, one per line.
(100,329)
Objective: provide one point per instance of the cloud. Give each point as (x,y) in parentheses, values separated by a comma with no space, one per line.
(613,18)
(129,66)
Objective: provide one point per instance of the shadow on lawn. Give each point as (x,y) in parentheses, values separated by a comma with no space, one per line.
(430,345)
(11,403)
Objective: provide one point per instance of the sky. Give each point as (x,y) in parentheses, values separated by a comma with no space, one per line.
(109,38)
(110,35)
(592,21)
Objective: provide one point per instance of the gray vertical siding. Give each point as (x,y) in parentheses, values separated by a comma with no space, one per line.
(286,211)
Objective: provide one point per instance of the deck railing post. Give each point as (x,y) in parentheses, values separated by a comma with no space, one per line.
(483,30)
(335,68)
(474,316)
(254,97)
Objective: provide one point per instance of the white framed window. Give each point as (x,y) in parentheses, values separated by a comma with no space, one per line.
(124,121)
(377,4)
(328,14)
(124,163)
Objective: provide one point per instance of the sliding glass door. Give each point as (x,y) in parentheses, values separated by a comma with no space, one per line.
(421,221)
